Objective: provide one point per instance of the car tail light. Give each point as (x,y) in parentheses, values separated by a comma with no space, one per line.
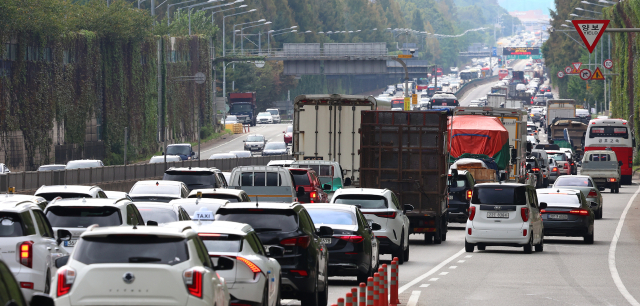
(581,212)
(390,214)
(592,193)
(66,277)
(351,238)
(193,280)
(26,285)
(524,212)
(555,169)
(25,253)
(255,269)
(469,194)
(469,231)
(524,232)
(313,195)
(536,169)
(472,212)
(612,179)
(302,241)
(300,272)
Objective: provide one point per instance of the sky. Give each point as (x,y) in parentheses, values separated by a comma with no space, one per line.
(526,5)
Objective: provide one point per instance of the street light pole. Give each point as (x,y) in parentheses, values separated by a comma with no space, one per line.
(224,66)
(169,9)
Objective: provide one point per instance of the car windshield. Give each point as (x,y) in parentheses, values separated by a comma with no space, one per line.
(567,181)
(82,164)
(178,150)
(558,156)
(255,139)
(301,177)
(221,242)
(11,225)
(64,195)
(138,249)
(222,196)
(264,115)
(159,189)
(238,108)
(290,129)
(499,195)
(65,216)
(158,214)
(193,180)
(273,111)
(262,220)
(275,146)
(365,201)
(559,199)
(331,216)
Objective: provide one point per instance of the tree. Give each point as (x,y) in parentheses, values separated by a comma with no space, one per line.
(200,24)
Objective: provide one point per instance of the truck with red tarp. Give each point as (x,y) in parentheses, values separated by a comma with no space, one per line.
(472,136)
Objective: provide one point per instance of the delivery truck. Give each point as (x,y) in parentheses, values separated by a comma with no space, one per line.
(560,108)
(406,152)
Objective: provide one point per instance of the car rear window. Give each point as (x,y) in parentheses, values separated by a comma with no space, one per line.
(158,189)
(559,199)
(558,156)
(258,179)
(301,177)
(221,242)
(11,225)
(228,197)
(331,216)
(365,201)
(139,249)
(158,214)
(61,216)
(64,195)
(193,180)
(573,182)
(262,220)
(499,195)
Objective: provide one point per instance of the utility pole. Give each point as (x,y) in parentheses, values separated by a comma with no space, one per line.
(126,131)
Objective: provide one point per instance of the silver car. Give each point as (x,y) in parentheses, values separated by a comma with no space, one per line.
(255,143)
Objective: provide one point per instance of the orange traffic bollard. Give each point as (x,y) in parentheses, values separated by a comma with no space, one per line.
(376,289)
(393,288)
(349,300)
(385,291)
(370,291)
(363,295)
(340,301)
(354,296)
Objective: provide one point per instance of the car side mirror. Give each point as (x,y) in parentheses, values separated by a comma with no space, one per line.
(162,153)
(244,141)
(276,251)
(224,263)
(325,231)
(347,182)
(41,299)
(375,226)
(620,163)
(152,223)
(300,192)
(543,205)
(407,208)
(63,235)
(62,261)
(284,132)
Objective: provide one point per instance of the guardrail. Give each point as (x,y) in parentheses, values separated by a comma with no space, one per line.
(473,84)
(31,180)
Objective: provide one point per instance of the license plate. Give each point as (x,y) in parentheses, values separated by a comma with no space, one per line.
(497,215)
(450,197)
(325,240)
(70,243)
(558,216)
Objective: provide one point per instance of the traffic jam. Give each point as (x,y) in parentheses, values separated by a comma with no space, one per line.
(367,186)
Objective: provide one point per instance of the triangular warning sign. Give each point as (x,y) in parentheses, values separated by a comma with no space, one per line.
(597,75)
(590,31)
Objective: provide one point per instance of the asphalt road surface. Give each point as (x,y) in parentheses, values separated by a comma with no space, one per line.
(272,132)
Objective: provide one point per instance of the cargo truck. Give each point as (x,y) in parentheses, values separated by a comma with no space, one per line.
(406,152)
(325,127)
(575,131)
(496,100)
(560,108)
(243,106)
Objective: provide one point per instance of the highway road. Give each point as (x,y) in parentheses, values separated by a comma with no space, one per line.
(272,132)
(483,90)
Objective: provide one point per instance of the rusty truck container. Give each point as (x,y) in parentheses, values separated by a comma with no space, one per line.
(406,151)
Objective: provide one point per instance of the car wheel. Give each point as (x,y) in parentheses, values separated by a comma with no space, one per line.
(362,277)
(599,213)
(540,246)
(482,247)
(528,248)
(406,253)
(265,294)
(613,189)
(588,239)
(400,252)
(311,298)
(468,247)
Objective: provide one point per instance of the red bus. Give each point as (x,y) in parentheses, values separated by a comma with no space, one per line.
(615,135)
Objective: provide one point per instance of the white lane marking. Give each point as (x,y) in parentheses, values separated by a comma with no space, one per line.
(443,273)
(424,285)
(453,267)
(413,300)
(468,256)
(612,255)
(433,270)
(434,279)
(460,261)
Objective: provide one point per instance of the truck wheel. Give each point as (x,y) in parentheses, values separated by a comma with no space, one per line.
(428,238)
(617,188)
(437,238)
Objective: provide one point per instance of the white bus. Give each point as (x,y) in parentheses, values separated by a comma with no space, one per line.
(615,135)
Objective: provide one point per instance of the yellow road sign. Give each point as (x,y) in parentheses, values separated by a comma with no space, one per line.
(414,99)
(407,103)
(405,56)
(597,75)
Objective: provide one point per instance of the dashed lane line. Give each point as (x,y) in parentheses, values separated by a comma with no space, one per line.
(413,300)
(433,270)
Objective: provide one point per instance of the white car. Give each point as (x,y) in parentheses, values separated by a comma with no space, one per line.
(161,213)
(275,114)
(145,265)
(381,206)
(264,117)
(280,162)
(28,244)
(251,276)
(4,168)
(83,164)
(231,195)
(194,205)
(160,159)
(504,215)
(231,119)
(76,215)
(69,191)
(158,191)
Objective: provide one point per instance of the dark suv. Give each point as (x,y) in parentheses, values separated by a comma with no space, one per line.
(196,178)
(305,259)
(460,187)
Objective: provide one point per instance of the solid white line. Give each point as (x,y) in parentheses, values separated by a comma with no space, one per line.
(434,270)
(612,255)
(413,300)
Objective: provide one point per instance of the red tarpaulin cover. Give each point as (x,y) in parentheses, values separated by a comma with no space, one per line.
(477,135)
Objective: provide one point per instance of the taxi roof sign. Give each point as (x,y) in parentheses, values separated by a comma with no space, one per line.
(590,31)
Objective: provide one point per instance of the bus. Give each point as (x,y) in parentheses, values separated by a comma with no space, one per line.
(503,73)
(397,103)
(615,135)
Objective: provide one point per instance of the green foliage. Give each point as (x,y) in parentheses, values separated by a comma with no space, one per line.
(200,24)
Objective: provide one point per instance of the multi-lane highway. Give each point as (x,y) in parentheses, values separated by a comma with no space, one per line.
(272,132)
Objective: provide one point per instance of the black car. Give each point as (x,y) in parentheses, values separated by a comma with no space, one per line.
(567,214)
(11,294)
(353,249)
(460,188)
(275,148)
(305,260)
(196,178)
(534,168)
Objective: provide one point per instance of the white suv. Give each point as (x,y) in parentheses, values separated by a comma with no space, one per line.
(76,215)
(69,191)
(383,207)
(146,265)
(241,259)
(28,245)
(504,215)
(275,114)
